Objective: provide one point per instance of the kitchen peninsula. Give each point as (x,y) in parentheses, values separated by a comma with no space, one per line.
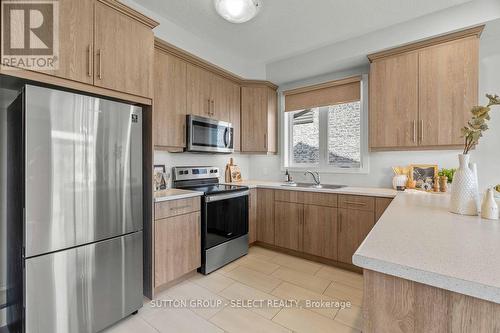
(428,270)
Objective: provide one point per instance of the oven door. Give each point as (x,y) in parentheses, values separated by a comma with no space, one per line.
(209,135)
(225,218)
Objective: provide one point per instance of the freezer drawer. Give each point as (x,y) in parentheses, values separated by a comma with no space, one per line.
(84,289)
(83,169)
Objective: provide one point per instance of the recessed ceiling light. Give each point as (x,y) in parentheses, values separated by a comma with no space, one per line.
(237,11)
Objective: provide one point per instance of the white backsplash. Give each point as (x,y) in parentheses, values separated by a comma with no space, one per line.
(198,159)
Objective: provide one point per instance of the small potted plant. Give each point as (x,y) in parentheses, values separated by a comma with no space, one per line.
(465,193)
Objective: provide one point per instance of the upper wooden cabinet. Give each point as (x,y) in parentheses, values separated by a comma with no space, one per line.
(185,84)
(169,101)
(76,41)
(76,29)
(181,88)
(394,101)
(234,102)
(199,95)
(448,89)
(259,112)
(102,44)
(421,94)
(123,49)
(211,95)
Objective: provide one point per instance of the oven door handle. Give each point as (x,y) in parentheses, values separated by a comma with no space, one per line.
(219,197)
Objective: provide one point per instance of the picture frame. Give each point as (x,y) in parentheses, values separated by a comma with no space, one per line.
(159,177)
(423,174)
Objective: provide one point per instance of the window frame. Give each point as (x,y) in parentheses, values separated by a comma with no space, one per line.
(323,166)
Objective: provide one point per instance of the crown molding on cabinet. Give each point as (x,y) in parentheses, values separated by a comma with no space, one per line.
(252,83)
(328,84)
(470,32)
(132,13)
(195,60)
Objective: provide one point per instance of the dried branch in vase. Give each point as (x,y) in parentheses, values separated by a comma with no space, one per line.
(477,125)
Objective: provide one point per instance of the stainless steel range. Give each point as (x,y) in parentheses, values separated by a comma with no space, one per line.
(224,215)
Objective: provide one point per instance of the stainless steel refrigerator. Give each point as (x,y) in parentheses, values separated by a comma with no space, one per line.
(81,197)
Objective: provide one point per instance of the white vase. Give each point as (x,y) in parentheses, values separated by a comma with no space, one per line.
(465,193)
(399,181)
(489,208)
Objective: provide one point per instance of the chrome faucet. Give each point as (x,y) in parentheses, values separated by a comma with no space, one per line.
(316,177)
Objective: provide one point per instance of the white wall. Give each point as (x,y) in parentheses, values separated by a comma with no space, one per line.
(184,39)
(352,52)
(487,155)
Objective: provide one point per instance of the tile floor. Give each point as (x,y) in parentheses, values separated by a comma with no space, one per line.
(261,275)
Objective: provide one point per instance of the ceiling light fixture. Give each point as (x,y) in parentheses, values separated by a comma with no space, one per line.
(237,11)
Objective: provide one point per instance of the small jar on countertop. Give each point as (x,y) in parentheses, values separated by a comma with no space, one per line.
(443,183)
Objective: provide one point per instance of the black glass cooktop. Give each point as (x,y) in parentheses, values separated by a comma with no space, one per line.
(215,188)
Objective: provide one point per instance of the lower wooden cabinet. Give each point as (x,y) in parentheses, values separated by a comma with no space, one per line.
(288,222)
(252,216)
(177,247)
(354,226)
(320,231)
(265,216)
(381,205)
(325,225)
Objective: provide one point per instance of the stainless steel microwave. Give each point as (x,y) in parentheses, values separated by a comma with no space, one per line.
(209,135)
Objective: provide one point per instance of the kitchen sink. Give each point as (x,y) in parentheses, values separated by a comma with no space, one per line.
(310,185)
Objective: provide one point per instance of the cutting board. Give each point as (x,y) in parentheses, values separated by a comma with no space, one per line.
(235,173)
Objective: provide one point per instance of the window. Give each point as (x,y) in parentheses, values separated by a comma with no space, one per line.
(305,136)
(328,138)
(344,135)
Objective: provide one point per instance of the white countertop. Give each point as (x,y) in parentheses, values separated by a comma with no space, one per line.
(368,191)
(419,240)
(175,194)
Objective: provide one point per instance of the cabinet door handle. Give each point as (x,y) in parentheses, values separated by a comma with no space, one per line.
(340,223)
(414,131)
(209,107)
(99,68)
(213,108)
(179,208)
(421,130)
(89,56)
(355,203)
(265,141)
